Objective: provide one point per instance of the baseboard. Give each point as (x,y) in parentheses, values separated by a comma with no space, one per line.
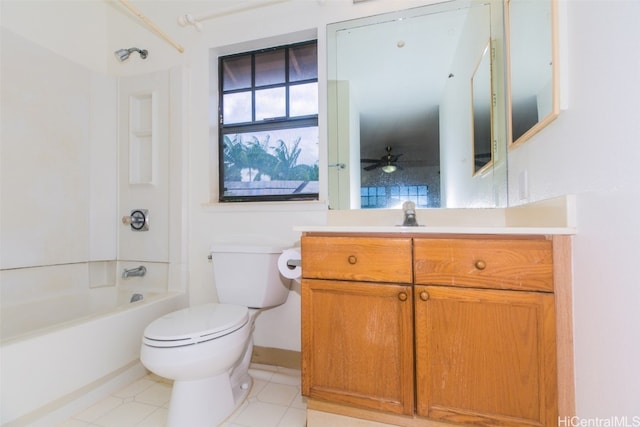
(276,357)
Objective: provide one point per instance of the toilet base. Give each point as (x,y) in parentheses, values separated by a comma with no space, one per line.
(208,402)
(204,403)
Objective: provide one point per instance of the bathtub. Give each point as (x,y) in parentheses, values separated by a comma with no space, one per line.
(58,351)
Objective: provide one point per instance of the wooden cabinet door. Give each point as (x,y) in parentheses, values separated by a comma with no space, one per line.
(357,344)
(485,357)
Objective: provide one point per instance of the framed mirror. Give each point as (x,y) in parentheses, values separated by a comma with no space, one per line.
(400,109)
(532,60)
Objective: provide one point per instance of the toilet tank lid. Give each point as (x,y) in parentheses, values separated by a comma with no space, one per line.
(244,248)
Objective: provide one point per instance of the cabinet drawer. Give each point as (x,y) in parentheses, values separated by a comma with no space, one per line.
(375,259)
(485,263)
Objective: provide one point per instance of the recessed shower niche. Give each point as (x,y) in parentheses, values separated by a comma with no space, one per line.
(142,150)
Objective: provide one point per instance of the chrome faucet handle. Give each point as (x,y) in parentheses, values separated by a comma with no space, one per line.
(409,209)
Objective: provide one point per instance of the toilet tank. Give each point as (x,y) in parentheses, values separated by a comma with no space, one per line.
(248,275)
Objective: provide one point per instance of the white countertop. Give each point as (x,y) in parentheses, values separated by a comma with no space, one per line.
(439,230)
(549,217)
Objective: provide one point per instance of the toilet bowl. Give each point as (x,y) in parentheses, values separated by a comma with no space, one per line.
(201,349)
(206,349)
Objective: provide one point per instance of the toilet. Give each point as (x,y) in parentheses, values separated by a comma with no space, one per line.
(206,349)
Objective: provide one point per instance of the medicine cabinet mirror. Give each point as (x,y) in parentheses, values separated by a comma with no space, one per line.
(532,65)
(402,111)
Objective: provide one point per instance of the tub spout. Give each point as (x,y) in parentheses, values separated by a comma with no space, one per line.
(134,272)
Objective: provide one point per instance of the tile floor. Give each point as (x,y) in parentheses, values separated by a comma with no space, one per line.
(274,401)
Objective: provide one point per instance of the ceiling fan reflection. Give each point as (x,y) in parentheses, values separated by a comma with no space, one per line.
(388,162)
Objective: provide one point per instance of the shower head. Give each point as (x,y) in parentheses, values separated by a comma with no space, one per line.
(123,54)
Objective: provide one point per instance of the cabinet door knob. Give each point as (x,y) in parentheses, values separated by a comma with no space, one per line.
(402,296)
(352,259)
(481,265)
(424,295)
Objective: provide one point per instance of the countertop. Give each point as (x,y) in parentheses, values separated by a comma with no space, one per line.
(439,230)
(555,216)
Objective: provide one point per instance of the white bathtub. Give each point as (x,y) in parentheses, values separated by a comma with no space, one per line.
(60,349)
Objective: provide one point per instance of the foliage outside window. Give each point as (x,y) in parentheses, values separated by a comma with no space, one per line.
(268,120)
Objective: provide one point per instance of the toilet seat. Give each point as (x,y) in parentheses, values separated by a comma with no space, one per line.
(195,325)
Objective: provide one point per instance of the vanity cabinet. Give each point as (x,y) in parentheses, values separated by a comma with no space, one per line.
(458,329)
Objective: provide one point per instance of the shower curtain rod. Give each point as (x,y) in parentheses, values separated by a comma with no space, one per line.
(151,25)
(189,19)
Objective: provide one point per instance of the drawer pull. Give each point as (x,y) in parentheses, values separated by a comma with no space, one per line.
(352,259)
(424,295)
(481,265)
(402,296)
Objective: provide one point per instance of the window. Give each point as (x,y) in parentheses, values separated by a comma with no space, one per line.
(268,120)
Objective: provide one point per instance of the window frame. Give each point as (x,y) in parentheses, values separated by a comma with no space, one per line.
(277,123)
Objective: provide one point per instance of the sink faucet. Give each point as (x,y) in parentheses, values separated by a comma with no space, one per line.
(409,209)
(134,272)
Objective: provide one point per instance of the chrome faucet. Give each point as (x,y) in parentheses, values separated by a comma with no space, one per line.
(409,209)
(134,272)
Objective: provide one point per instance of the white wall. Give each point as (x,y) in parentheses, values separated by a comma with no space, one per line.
(76,30)
(591,149)
(58,158)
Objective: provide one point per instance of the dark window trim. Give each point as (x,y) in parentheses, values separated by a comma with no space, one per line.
(262,125)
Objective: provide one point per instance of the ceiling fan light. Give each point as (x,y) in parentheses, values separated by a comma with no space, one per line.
(389,168)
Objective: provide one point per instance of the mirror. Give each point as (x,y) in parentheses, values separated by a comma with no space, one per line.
(532,59)
(401,114)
